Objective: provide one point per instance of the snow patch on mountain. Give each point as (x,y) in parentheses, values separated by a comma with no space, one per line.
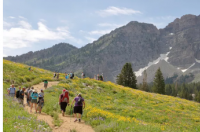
(198,61)
(162,57)
(170,48)
(184,70)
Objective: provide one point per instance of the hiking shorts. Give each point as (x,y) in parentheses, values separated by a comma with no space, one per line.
(78,109)
(12,95)
(45,85)
(34,101)
(63,106)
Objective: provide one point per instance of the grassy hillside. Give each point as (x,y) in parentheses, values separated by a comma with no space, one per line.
(14,116)
(109,107)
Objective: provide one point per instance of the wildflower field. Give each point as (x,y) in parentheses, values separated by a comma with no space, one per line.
(109,107)
(14,116)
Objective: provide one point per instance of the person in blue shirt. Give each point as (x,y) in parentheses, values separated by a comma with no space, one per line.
(34,96)
(12,91)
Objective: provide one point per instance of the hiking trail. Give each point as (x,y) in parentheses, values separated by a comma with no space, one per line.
(67,124)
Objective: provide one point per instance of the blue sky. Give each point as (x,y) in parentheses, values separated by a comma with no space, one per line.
(38,24)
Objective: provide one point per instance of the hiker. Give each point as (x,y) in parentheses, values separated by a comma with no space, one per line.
(17,94)
(101,77)
(29,68)
(54,75)
(34,97)
(21,96)
(58,76)
(27,97)
(63,101)
(29,94)
(12,91)
(66,76)
(71,75)
(45,84)
(40,101)
(78,106)
(97,76)
(82,75)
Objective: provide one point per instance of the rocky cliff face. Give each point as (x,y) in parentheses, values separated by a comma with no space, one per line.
(138,43)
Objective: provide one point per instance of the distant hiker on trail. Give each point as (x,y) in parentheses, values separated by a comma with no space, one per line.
(12,91)
(66,76)
(29,68)
(101,77)
(40,101)
(71,75)
(45,84)
(83,75)
(17,94)
(63,101)
(58,76)
(54,75)
(27,97)
(34,97)
(97,76)
(78,107)
(21,96)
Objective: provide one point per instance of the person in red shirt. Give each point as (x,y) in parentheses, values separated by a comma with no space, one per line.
(63,101)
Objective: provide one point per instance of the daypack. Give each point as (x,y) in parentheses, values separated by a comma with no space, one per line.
(21,94)
(63,98)
(17,94)
(72,75)
(79,101)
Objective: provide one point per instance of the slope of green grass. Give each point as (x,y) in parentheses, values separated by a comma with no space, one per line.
(111,107)
(14,116)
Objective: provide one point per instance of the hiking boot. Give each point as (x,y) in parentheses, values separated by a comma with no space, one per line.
(76,120)
(79,120)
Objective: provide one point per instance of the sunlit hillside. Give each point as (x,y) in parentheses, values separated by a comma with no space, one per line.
(109,107)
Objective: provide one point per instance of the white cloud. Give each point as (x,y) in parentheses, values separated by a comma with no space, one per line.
(110,25)
(110,11)
(6,24)
(21,17)
(11,17)
(99,32)
(24,35)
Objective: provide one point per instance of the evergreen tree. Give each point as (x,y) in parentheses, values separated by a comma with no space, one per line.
(168,89)
(127,76)
(144,86)
(159,83)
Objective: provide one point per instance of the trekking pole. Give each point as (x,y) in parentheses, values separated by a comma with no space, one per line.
(71,113)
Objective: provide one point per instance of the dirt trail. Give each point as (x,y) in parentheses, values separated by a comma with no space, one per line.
(67,125)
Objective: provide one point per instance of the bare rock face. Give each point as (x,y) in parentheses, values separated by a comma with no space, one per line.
(183,35)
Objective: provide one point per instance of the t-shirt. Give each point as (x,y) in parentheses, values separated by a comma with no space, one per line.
(45,81)
(34,95)
(12,90)
(41,94)
(76,101)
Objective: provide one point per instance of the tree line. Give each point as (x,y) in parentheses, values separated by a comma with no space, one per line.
(189,91)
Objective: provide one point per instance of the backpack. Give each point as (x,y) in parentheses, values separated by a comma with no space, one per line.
(63,98)
(79,101)
(83,74)
(72,75)
(17,94)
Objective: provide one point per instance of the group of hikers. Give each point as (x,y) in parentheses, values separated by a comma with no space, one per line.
(32,97)
(37,99)
(99,77)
